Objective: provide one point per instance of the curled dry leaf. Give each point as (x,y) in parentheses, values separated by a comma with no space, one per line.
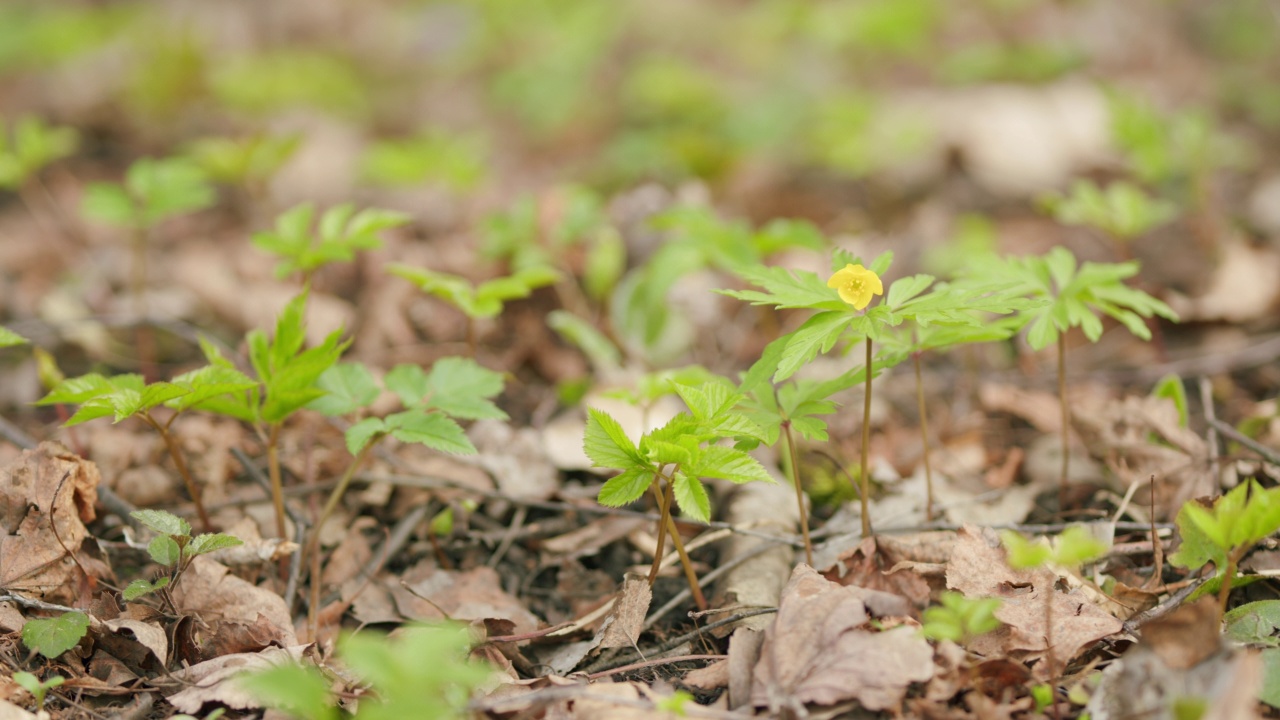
(818,651)
(210,591)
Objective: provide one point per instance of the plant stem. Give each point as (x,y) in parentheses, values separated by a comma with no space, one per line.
(313,545)
(674,532)
(273,471)
(794,462)
(1066,416)
(662,528)
(924,440)
(865,477)
(1224,592)
(176,454)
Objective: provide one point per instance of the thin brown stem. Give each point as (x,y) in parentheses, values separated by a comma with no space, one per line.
(865,476)
(313,545)
(676,540)
(1224,592)
(1066,416)
(924,440)
(662,529)
(273,472)
(171,444)
(794,462)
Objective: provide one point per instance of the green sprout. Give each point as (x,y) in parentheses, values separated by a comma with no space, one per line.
(1122,210)
(247,163)
(340,233)
(960,619)
(36,687)
(672,460)
(455,161)
(174,548)
(32,146)
(1076,295)
(9,338)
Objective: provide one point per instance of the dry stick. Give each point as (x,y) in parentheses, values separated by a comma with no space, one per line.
(794,461)
(924,439)
(678,542)
(866,448)
(696,633)
(1173,602)
(1267,453)
(653,663)
(1157,547)
(509,537)
(176,454)
(1066,420)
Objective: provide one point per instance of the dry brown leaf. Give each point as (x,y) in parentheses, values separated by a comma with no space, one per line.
(715,675)
(978,569)
(213,681)
(133,639)
(209,590)
(868,567)
(427,592)
(1187,636)
(45,485)
(759,581)
(516,459)
(229,638)
(817,652)
(627,621)
(9,711)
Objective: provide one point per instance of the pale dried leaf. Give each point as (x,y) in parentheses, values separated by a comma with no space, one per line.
(627,622)
(213,681)
(210,591)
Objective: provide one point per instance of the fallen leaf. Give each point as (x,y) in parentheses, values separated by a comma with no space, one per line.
(213,681)
(209,590)
(427,592)
(627,621)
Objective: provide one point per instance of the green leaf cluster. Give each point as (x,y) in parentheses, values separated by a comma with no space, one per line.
(31,146)
(1074,547)
(798,402)
(423,672)
(959,618)
(248,161)
(125,396)
(53,636)
(455,387)
(683,451)
(152,191)
(485,300)
(1258,624)
(9,338)
(455,160)
(1121,210)
(339,235)
(1237,521)
(1076,293)
(174,548)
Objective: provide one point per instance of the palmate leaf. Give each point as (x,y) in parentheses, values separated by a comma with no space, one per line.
(433,429)
(348,387)
(818,334)
(462,387)
(727,463)
(607,444)
(783,288)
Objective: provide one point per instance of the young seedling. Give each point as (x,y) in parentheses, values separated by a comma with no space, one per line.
(1122,211)
(9,338)
(672,460)
(845,315)
(247,163)
(453,160)
(173,548)
(477,302)
(422,672)
(38,689)
(342,232)
(960,619)
(787,409)
(455,388)
(1076,294)
(287,380)
(1073,548)
(1224,533)
(32,147)
(125,396)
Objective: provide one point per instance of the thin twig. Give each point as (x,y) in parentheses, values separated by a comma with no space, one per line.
(707,579)
(517,522)
(34,604)
(695,633)
(1267,453)
(16,435)
(1171,603)
(1211,436)
(653,663)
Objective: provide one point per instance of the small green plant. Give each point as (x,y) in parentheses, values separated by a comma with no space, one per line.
(672,460)
(1121,210)
(287,379)
(32,146)
(423,672)
(960,619)
(1076,295)
(53,636)
(124,396)
(247,163)
(455,387)
(340,234)
(477,302)
(9,338)
(36,687)
(1073,548)
(1224,533)
(455,161)
(173,548)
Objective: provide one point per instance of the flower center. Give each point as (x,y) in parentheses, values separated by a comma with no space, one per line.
(854,286)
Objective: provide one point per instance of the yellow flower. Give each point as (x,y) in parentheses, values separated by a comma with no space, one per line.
(856,285)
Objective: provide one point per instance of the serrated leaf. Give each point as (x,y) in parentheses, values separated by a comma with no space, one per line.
(162,522)
(139,588)
(53,636)
(729,464)
(432,429)
(408,382)
(299,690)
(607,444)
(206,543)
(462,387)
(818,334)
(74,391)
(349,387)
(784,288)
(692,498)
(360,434)
(128,403)
(164,550)
(209,382)
(625,487)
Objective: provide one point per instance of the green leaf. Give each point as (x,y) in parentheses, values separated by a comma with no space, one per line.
(1170,387)
(462,387)
(1255,623)
(783,288)
(350,387)
(206,543)
(109,203)
(607,444)
(1024,554)
(818,334)
(1270,692)
(139,588)
(362,433)
(9,338)
(299,690)
(1196,549)
(691,496)
(164,550)
(53,636)
(603,354)
(162,522)
(730,464)
(74,391)
(226,384)
(1076,545)
(432,429)
(626,487)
